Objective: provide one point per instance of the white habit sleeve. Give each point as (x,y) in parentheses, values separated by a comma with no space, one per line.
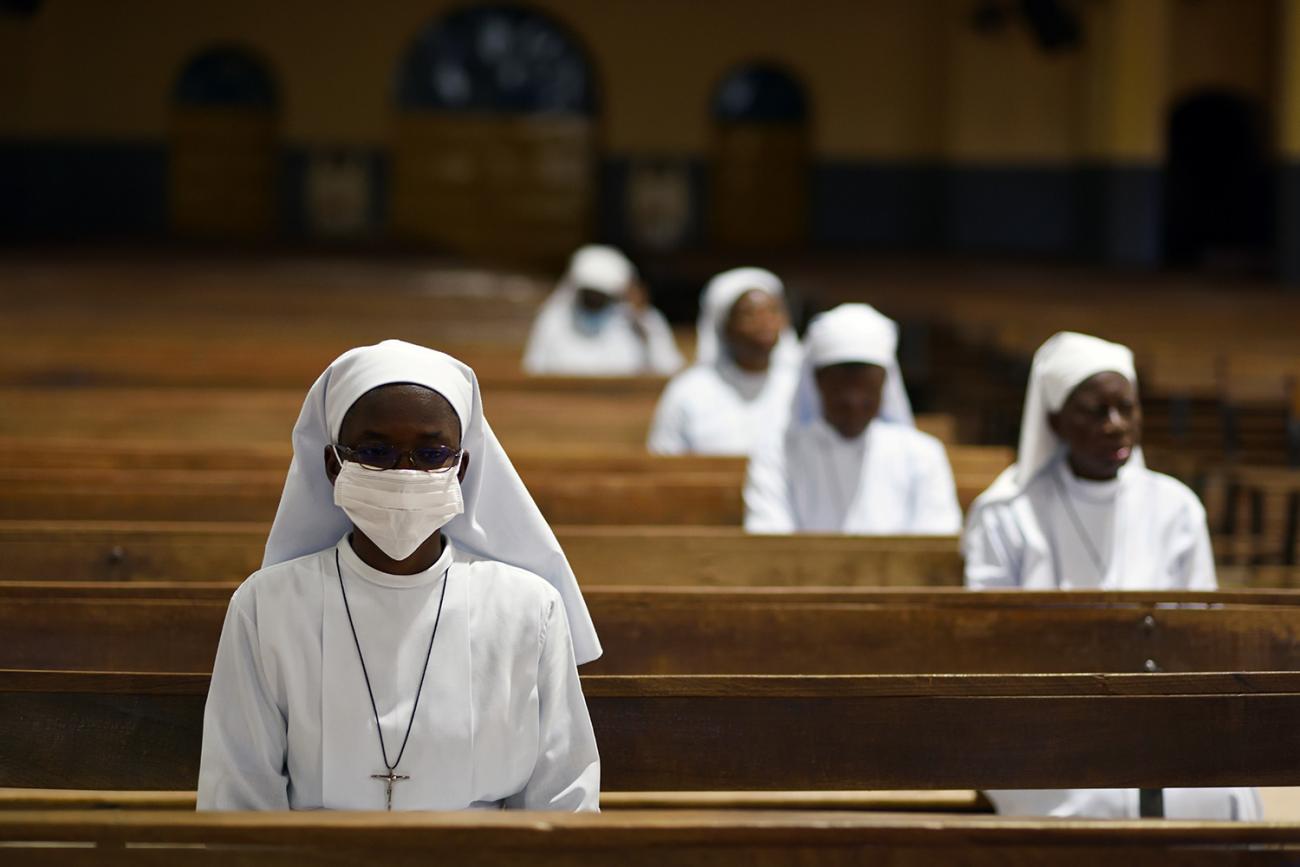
(1194,558)
(993,557)
(244,731)
(667,429)
(567,774)
(662,356)
(936,508)
(768,508)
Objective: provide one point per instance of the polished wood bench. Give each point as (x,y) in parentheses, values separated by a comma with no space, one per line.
(174,627)
(633,839)
(664,555)
(529,415)
(569,487)
(88,730)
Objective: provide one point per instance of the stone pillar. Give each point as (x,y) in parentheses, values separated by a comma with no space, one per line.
(1125,117)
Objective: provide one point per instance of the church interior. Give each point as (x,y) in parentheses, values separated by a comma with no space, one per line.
(204,205)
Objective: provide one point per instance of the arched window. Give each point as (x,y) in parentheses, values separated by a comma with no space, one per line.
(494,142)
(760,93)
(223,145)
(497,59)
(760,158)
(225,77)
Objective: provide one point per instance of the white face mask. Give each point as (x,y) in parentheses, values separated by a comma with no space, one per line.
(398,509)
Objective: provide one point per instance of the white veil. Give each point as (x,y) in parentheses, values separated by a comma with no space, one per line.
(500,522)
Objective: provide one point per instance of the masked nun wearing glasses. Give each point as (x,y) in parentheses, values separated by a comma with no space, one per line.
(745,371)
(598,323)
(850,459)
(411,640)
(1080,510)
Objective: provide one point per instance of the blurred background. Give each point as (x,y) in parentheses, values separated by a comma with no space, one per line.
(1148,133)
(229,192)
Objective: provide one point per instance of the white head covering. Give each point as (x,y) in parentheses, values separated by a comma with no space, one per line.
(501,522)
(598,267)
(852,333)
(1060,365)
(720,295)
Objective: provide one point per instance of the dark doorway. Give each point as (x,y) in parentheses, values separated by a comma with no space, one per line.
(1218,197)
(760,159)
(223,156)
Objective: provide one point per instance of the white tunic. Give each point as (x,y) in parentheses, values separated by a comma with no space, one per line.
(564,342)
(1148,531)
(717,409)
(501,720)
(890,480)
(1147,528)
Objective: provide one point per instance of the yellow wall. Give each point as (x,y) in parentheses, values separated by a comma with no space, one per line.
(1224,44)
(888,79)
(106,69)
(1007,100)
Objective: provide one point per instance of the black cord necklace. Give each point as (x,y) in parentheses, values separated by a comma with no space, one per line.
(391,777)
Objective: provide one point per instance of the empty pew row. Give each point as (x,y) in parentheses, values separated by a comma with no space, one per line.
(630,839)
(36,550)
(174,627)
(1260,514)
(691,497)
(526,416)
(233,495)
(96,730)
(92,454)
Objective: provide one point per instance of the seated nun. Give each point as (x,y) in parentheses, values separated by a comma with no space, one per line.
(850,459)
(598,322)
(411,640)
(745,370)
(1080,510)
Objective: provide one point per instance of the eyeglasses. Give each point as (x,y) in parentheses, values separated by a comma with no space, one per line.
(429,459)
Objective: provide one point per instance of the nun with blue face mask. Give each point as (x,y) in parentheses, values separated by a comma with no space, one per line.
(412,638)
(598,323)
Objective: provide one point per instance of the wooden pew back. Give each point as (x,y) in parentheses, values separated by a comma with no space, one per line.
(638,555)
(143,731)
(174,627)
(634,839)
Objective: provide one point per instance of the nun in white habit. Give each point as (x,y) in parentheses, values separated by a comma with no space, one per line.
(745,370)
(1080,510)
(411,640)
(850,459)
(597,323)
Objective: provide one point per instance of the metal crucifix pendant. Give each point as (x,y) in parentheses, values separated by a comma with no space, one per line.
(389,778)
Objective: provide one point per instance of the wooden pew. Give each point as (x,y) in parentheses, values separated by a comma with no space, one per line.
(984,462)
(570,488)
(87,730)
(1261,519)
(632,839)
(586,413)
(174,628)
(931,801)
(171,550)
(236,495)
